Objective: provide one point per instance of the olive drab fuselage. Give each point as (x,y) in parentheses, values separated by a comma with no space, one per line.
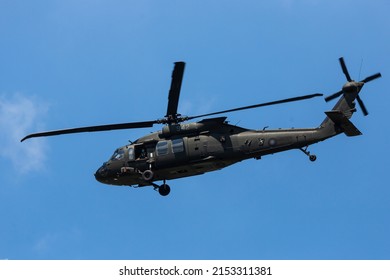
(197,148)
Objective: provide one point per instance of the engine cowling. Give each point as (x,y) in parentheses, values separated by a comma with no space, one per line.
(191,128)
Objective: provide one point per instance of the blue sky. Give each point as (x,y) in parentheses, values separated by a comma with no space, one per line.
(78,63)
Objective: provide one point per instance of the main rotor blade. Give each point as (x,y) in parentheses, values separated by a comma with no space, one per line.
(333,96)
(362,106)
(372,77)
(174,91)
(92,129)
(345,70)
(260,105)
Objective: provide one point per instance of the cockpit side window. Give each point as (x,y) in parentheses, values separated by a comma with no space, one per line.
(118,154)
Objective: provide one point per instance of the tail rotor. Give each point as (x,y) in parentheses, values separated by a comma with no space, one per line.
(352,87)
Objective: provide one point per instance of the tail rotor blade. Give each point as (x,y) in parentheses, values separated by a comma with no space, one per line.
(333,96)
(362,106)
(345,70)
(372,77)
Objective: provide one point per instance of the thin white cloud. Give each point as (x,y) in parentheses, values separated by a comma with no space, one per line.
(53,241)
(196,106)
(20,115)
(44,243)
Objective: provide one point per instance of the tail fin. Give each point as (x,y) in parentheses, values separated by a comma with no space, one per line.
(343,123)
(337,120)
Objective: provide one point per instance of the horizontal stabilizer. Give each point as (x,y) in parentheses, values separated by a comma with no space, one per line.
(343,122)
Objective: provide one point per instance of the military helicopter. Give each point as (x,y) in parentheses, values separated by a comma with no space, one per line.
(186,149)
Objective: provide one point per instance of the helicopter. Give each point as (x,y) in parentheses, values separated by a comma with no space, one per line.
(182,149)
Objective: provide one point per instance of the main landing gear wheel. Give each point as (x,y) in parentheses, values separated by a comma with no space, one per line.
(164,190)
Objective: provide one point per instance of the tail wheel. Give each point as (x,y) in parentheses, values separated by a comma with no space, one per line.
(147,175)
(164,190)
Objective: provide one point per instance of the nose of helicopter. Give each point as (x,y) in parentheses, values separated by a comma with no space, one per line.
(101,173)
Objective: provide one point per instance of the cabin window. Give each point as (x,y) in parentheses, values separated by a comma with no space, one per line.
(131,154)
(177,145)
(162,148)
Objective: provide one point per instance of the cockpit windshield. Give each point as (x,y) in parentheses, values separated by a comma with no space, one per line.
(118,154)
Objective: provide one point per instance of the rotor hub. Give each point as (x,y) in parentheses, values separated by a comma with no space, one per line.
(352,87)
